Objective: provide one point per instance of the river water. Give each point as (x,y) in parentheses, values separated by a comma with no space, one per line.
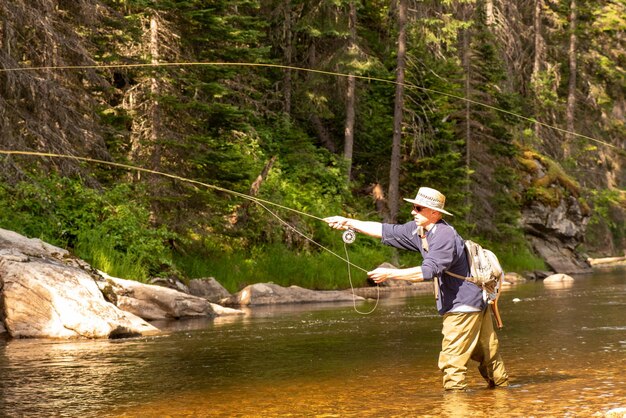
(564,347)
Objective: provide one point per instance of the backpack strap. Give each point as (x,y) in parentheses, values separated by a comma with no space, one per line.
(421,232)
(458,276)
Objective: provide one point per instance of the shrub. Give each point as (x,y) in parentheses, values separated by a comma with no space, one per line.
(111,229)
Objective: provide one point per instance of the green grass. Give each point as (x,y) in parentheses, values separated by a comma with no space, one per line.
(279,265)
(519,259)
(321,271)
(101,254)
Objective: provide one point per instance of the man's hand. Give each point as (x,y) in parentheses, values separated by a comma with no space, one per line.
(380,274)
(337,222)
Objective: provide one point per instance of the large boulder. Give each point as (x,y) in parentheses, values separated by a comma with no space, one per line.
(271,294)
(44,298)
(558,281)
(153,302)
(558,278)
(555,232)
(209,289)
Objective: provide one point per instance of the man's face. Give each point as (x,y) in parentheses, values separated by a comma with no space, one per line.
(424,216)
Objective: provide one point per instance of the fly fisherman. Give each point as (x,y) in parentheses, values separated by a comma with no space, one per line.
(468,330)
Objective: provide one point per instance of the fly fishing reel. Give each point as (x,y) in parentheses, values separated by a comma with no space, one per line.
(349,236)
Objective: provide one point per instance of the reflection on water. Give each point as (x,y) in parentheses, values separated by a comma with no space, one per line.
(564,347)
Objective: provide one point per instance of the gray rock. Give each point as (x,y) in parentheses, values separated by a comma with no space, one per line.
(223,311)
(558,281)
(514,278)
(537,275)
(556,278)
(559,257)
(209,289)
(565,222)
(45,292)
(153,302)
(555,233)
(170,283)
(19,244)
(270,294)
(46,299)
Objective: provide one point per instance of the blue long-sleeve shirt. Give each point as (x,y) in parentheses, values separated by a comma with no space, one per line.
(446,253)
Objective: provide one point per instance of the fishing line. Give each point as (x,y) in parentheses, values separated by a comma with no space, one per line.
(345,247)
(258,201)
(310,70)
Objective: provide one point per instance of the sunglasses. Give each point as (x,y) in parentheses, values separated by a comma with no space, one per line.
(418,209)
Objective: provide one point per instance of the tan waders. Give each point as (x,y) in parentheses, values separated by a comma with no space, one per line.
(470,336)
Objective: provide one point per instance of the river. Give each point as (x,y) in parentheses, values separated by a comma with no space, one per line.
(564,348)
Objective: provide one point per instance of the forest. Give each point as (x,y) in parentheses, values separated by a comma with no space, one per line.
(311,108)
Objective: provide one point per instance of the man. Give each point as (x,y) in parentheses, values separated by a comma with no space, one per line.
(468,331)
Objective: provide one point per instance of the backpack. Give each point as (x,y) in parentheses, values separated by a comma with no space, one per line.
(485,272)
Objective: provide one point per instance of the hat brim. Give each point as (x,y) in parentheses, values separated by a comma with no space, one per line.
(415,202)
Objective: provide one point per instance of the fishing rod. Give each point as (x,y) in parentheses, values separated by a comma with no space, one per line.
(349,236)
(310,70)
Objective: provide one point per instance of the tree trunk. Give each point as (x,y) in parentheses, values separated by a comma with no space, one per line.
(394,172)
(318,124)
(571,92)
(154,92)
(468,113)
(288,58)
(241,214)
(350,97)
(322,133)
(489,16)
(254,189)
(538,41)
(378,195)
(6,36)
